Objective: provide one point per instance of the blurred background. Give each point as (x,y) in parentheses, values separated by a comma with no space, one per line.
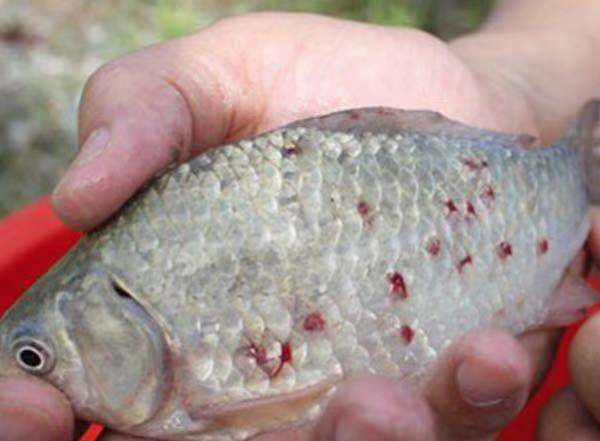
(49,47)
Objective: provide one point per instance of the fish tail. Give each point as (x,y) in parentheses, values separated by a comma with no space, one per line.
(585,135)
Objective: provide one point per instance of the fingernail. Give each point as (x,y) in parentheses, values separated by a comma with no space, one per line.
(93,146)
(478,387)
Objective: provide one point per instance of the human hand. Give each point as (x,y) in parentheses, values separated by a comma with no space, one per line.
(574,413)
(244,75)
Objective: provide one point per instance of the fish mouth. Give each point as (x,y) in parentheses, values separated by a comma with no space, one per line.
(267,413)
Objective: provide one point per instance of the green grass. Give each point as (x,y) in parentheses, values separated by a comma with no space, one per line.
(174,18)
(431,15)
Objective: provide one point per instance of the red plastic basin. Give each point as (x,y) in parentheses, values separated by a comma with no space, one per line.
(32,239)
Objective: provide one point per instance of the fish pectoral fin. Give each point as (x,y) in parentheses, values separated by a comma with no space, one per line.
(570,301)
(267,413)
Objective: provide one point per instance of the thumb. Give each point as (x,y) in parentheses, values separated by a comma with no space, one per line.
(139,115)
(30,409)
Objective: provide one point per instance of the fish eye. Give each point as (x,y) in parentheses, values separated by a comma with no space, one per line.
(33,356)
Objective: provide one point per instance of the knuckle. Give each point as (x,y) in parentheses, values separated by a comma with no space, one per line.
(97,88)
(102,76)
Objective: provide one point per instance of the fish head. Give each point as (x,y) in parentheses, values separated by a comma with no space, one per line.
(78,330)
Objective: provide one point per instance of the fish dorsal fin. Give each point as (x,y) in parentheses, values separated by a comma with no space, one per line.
(396,121)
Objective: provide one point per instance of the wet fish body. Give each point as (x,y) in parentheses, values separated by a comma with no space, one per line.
(232,294)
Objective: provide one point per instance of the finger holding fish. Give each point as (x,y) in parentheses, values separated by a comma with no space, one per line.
(32,409)
(135,310)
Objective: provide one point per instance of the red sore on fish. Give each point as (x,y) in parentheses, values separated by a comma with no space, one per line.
(313,322)
(407,333)
(259,353)
(291,151)
(451,206)
(467,260)
(353,114)
(475,165)
(471,209)
(363,208)
(488,193)
(434,246)
(398,286)
(504,250)
(543,246)
(284,357)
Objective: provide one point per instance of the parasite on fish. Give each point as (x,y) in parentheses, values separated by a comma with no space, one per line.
(230,296)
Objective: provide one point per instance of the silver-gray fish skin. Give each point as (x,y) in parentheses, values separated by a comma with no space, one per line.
(232,294)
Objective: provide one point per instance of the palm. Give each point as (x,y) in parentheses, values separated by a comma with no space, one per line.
(327,65)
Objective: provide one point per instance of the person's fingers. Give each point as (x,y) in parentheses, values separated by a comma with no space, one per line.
(584,359)
(140,114)
(376,409)
(33,410)
(564,418)
(594,239)
(541,345)
(297,434)
(479,385)
(248,74)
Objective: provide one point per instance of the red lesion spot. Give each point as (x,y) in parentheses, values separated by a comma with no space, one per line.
(474,164)
(291,151)
(284,357)
(434,246)
(313,322)
(451,207)
(398,286)
(407,334)
(467,260)
(363,208)
(271,367)
(542,246)
(471,209)
(354,114)
(488,193)
(259,353)
(504,250)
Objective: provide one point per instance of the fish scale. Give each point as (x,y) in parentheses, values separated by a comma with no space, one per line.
(272,268)
(420,307)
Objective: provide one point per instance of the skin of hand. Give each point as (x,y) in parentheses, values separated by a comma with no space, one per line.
(143,112)
(574,413)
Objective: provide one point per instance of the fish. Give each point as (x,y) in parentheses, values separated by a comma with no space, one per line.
(232,295)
